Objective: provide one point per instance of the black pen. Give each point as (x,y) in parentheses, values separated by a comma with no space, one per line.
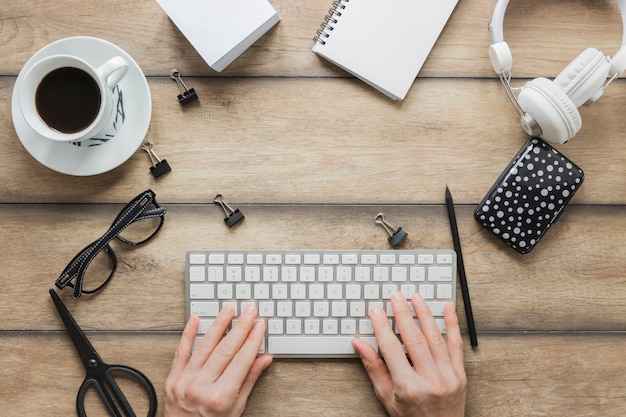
(460,266)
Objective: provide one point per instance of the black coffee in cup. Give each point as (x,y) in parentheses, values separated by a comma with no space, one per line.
(68,99)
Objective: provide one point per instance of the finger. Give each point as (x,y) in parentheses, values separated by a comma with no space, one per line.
(211,339)
(183,351)
(389,345)
(436,342)
(375,368)
(229,346)
(455,341)
(240,366)
(259,365)
(414,340)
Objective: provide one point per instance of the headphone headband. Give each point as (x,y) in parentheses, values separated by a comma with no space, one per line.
(503,61)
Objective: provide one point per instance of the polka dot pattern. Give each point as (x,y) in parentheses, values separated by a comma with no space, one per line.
(530,195)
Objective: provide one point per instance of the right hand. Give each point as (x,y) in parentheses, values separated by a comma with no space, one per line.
(432,380)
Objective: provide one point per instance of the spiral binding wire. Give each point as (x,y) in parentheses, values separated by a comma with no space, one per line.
(330,20)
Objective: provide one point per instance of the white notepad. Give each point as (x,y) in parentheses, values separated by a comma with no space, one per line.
(383,42)
(221,30)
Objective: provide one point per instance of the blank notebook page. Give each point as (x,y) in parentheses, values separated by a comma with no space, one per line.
(384,42)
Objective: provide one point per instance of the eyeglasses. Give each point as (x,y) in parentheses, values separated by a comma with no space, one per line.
(136,224)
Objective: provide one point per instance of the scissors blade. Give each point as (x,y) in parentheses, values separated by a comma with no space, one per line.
(84,348)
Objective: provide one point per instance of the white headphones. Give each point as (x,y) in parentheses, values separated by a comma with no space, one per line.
(549,109)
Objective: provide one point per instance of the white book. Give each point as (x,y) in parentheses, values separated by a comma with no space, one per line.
(221,30)
(383,42)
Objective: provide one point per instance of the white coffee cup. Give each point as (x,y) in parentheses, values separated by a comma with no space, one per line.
(66,99)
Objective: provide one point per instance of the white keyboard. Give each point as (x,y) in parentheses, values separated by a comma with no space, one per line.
(315,302)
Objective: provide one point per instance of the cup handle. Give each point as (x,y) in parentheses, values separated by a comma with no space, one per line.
(113,71)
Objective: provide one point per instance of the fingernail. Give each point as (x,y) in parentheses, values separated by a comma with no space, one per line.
(399,297)
(249,310)
(259,325)
(376,311)
(227,311)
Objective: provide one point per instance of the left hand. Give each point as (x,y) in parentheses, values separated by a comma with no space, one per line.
(217,379)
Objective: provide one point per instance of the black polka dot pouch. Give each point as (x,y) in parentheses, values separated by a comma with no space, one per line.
(530,195)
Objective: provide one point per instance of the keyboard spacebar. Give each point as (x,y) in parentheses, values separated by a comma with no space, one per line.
(302,345)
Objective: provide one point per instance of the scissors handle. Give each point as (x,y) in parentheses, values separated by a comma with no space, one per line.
(110,393)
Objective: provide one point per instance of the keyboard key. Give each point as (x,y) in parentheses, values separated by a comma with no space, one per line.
(350,259)
(254,259)
(294,326)
(293,259)
(339,345)
(425,259)
(288,274)
(406,259)
(275,326)
(197,259)
(235,258)
(417,273)
(445,259)
(387,259)
(437,308)
(330,259)
(266,309)
(312,259)
(201,291)
(381,274)
(440,273)
(330,326)
(369,259)
(312,326)
(234,274)
(270,274)
(197,273)
(399,273)
(204,308)
(444,291)
(243,291)
(427,291)
(217,258)
(344,274)
(215,274)
(348,326)
(362,273)
(365,326)
(224,291)
(273,259)
(204,325)
(252,274)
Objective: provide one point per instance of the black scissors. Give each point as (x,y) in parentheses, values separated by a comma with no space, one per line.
(100,375)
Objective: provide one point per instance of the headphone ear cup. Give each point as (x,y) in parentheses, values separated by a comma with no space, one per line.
(551,109)
(583,78)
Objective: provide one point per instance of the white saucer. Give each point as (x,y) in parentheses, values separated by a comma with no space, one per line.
(90,160)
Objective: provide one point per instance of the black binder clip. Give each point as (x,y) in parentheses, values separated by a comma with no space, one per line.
(397,236)
(232,216)
(159,166)
(186,95)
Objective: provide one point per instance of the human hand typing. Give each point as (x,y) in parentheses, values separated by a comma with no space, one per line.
(431,381)
(217,379)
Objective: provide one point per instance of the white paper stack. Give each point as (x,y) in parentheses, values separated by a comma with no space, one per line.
(221,30)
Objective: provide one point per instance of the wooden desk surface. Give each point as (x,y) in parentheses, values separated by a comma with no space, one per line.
(310,155)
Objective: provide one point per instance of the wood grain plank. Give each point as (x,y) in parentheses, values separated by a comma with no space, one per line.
(544,37)
(566,283)
(285,141)
(580,375)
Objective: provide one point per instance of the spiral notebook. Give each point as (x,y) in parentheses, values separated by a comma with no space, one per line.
(221,30)
(382,42)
